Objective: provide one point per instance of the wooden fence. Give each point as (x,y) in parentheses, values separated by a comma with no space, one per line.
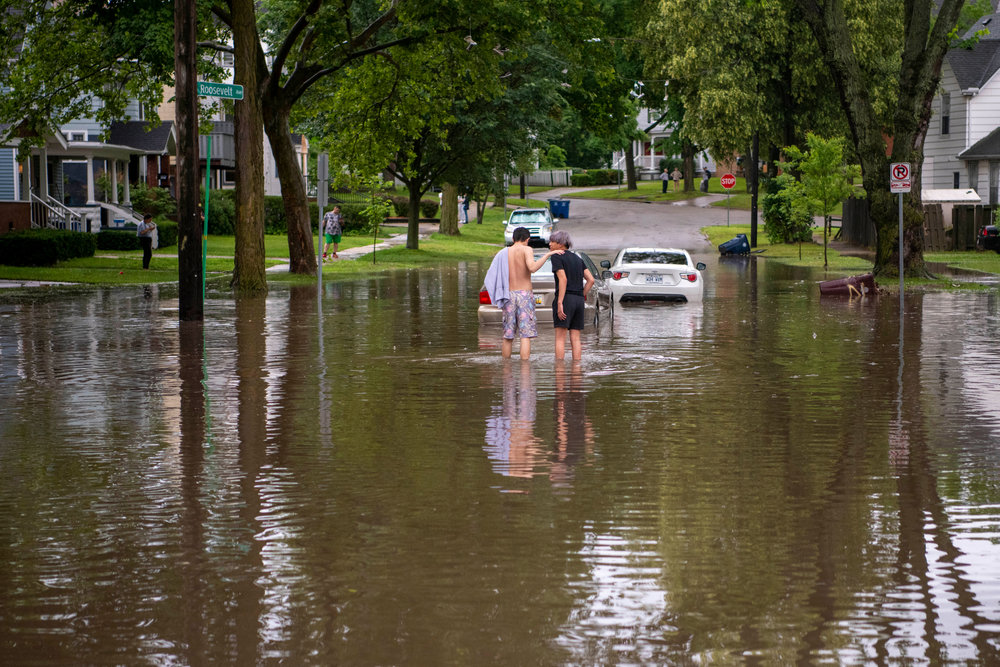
(857,228)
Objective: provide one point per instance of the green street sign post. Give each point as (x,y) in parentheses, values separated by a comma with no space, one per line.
(229,91)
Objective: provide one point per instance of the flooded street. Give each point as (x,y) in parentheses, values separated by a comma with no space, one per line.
(765,478)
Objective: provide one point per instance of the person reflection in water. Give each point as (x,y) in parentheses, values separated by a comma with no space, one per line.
(511,443)
(574,434)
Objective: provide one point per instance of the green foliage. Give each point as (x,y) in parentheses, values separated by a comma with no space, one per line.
(117,239)
(156,201)
(552,157)
(826,179)
(45,247)
(581,180)
(166,233)
(221,212)
(785,219)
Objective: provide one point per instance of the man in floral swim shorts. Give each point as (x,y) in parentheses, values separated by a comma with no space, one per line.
(519,310)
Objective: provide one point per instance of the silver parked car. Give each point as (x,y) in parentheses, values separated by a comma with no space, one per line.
(543,284)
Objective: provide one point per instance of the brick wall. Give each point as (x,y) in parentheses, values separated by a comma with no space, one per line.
(14,215)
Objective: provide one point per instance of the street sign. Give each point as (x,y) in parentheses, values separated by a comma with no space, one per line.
(899,177)
(229,91)
(728,181)
(322,179)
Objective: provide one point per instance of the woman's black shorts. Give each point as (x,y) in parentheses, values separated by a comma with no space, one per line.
(573,307)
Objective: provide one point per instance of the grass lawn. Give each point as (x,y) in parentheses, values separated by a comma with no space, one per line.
(121,267)
(843,265)
(651,191)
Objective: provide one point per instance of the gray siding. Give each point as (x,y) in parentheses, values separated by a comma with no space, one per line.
(8,172)
(941,150)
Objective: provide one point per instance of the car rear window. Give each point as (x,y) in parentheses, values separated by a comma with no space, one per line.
(652,257)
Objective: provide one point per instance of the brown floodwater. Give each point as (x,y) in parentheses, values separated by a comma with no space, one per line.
(357,478)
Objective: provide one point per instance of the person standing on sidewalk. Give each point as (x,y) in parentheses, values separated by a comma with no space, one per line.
(145,232)
(332,231)
(676,175)
(665,177)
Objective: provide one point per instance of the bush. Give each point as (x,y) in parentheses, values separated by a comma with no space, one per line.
(401,207)
(221,212)
(45,247)
(606,176)
(117,239)
(428,209)
(274,216)
(155,201)
(582,179)
(166,233)
(784,221)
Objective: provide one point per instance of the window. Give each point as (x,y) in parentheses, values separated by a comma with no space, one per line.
(76,136)
(945,113)
(955,180)
(653,257)
(229,176)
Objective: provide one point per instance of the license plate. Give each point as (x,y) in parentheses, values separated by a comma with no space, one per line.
(650,278)
(538,300)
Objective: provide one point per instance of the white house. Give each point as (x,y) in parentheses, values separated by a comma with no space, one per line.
(647,158)
(962,147)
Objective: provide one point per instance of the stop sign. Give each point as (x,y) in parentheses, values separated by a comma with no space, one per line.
(728,181)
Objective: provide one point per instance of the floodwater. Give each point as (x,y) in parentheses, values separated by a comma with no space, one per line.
(764,478)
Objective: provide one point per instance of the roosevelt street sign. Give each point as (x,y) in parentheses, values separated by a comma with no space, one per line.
(229,91)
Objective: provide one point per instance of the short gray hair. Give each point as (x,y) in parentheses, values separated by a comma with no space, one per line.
(561,237)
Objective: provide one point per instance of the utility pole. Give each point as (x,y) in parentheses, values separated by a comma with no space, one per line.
(189,261)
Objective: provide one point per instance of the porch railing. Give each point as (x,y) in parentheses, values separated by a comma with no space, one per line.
(50,212)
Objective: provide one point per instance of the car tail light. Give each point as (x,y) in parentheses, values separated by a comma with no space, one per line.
(690,277)
(618,275)
(484,298)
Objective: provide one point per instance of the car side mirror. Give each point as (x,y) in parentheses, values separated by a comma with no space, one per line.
(605,264)
(700,266)
(605,274)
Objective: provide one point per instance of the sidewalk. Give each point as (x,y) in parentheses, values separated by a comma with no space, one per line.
(426,229)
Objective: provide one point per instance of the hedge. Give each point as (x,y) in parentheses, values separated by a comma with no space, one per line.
(45,247)
(166,233)
(596,177)
(401,204)
(117,239)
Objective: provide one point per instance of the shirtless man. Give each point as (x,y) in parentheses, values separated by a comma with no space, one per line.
(519,311)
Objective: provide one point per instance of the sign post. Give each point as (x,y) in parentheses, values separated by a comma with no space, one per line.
(728,182)
(899,181)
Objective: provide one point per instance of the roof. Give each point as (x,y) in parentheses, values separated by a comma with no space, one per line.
(987,148)
(990,23)
(974,67)
(137,134)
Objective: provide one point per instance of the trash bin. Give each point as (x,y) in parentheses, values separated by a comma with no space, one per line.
(735,246)
(559,208)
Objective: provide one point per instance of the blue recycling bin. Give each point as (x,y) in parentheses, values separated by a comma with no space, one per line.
(559,208)
(735,246)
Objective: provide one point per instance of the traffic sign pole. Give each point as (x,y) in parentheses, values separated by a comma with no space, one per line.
(728,181)
(899,181)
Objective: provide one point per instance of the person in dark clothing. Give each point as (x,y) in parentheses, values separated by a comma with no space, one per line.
(145,233)
(573,283)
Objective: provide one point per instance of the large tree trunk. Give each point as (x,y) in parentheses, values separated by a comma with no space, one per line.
(630,167)
(924,46)
(249,274)
(301,252)
(687,155)
(449,210)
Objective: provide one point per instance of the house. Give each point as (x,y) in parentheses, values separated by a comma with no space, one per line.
(59,183)
(962,146)
(647,157)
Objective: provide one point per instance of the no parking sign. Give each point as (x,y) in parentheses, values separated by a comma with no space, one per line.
(899,177)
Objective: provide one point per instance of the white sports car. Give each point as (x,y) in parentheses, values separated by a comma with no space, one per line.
(654,274)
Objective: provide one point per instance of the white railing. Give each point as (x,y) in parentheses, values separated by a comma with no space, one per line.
(49,212)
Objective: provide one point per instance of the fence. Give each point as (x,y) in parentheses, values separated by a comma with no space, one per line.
(550,177)
(857,228)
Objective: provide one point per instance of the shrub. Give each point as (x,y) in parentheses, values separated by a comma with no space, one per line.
(45,247)
(117,239)
(222,212)
(156,201)
(274,216)
(166,233)
(428,209)
(605,176)
(784,220)
(582,179)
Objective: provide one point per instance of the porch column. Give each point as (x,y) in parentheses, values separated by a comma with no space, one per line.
(972,166)
(26,179)
(144,169)
(994,178)
(43,180)
(114,180)
(91,200)
(128,185)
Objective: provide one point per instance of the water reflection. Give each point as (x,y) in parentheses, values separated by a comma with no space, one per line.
(765,478)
